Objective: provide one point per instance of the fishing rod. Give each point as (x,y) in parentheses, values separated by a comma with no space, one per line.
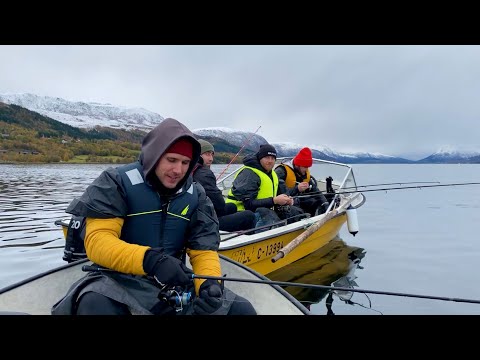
(245,144)
(310,286)
(395,183)
(325,287)
(387,189)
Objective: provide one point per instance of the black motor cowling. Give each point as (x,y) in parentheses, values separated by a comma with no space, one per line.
(74,241)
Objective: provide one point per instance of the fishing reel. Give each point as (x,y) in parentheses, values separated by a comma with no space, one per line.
(176,297)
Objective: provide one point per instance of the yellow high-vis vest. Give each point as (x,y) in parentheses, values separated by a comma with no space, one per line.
(291,178)
(267,187)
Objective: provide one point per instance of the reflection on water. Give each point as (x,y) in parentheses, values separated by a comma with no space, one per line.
(332,265)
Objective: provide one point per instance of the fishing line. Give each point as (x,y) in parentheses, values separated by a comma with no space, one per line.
(245,144)
(324,287)
(395,183)
(387,189)
(350,302)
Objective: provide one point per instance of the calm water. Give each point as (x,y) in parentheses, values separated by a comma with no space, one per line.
(410,241)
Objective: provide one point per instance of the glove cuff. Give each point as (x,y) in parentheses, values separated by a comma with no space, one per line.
(151,258)
(209,282)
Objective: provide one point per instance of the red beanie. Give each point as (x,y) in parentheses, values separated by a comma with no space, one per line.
(303,158)
(182,147)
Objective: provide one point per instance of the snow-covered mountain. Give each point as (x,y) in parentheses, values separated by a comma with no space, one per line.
(291,149)
(235,137)
(449,154)
(253,142)
(91,114)
(324,152)
(85,115)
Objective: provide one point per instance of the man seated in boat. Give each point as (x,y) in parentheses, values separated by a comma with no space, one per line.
(255,188)
(143,219)
(229,218)
(295,179)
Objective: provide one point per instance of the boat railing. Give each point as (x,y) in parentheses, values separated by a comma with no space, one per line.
(340,172)
(342,175)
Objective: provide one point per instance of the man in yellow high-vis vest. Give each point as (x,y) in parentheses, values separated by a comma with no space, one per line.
(255,188)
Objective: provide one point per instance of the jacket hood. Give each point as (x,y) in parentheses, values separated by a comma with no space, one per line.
(159,139)
(252,161)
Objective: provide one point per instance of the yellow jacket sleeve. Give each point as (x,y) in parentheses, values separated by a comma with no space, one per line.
(204,262)
(105,248)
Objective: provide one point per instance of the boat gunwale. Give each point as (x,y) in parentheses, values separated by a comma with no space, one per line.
(281,231)
(305,223)
(259,276)
(42,274)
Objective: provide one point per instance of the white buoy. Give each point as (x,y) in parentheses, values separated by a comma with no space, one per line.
(352,220)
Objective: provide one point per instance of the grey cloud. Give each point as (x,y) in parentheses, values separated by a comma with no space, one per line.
(396,100)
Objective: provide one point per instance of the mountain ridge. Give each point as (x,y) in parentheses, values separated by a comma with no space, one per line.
(91,115)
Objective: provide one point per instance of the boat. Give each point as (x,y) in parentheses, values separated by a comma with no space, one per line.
(36,295)
(260,251)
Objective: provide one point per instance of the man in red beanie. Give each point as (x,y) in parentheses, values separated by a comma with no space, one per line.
(303,159)
(142,219)
(295,179)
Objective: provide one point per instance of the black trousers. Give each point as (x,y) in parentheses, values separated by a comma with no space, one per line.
(311,204)
(92,303)
(242,220)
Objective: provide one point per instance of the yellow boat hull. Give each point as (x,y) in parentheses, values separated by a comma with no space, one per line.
(258,255)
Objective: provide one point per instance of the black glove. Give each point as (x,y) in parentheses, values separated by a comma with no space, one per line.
(210,299)
(166,269)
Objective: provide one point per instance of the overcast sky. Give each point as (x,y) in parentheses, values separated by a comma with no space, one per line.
(396,100)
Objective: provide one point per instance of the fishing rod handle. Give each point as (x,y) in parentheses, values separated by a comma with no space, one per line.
(88,268)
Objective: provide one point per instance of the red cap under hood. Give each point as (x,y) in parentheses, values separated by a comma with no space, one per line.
(160,138)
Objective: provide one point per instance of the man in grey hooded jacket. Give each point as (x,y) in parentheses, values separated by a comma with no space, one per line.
(141,221)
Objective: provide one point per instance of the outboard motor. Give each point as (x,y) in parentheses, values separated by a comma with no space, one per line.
(74,246)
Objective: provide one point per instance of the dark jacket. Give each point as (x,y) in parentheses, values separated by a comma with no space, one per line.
(246,185)
(206,178)
(106,197)
(282,175)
